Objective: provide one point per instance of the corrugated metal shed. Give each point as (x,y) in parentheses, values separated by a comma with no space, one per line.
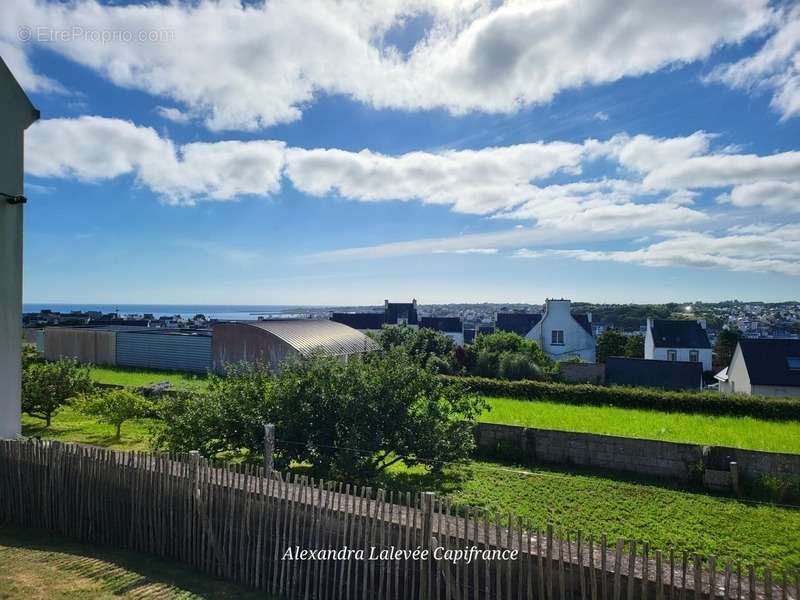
(314,335)
(166,350)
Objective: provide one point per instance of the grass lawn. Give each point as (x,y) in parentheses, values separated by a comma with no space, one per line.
(739,432)
(68,425)
(35,564)
(653,512)
(140,377)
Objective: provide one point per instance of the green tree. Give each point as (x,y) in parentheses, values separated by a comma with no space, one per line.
(351,419)
(421,344)
(611,343)
(484,356)
(227,418)
(634,347)
(46,386)
(725,345)
(115,406)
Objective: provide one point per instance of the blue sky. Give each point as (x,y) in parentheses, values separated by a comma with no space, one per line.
(445,151)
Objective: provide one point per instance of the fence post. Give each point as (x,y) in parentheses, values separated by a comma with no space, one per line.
(427,532)
(735,481)
(194,468)
(269,449)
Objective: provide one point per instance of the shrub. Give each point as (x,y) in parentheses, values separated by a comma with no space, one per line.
(485,355)
(46,386)
(115,406)
(517,365)
(711,403)
(421,344)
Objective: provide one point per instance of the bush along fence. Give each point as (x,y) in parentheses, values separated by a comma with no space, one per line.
(299,538)
(712,403)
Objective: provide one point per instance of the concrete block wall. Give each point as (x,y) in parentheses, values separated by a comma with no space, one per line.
(681,462)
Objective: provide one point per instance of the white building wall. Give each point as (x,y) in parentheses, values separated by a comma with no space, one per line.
(704,354)
(577,341)
(16,114)
(738,377)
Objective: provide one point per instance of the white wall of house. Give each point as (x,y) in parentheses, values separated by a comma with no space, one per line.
(682,355)
(573,341)
(16,113)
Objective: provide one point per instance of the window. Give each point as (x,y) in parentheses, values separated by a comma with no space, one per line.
(794,362)
(557,337)
(694,356)
(672,355)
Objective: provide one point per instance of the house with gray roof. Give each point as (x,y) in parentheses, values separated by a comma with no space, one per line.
(678,340)
(764,367)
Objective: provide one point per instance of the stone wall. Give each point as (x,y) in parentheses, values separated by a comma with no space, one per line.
(583,373)
(681,462)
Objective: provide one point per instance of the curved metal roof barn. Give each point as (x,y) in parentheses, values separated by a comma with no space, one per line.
(270,342)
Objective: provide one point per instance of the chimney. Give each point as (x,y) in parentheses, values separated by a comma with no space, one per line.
(589,317)
(649,323)
(386,303)
(414,302)
(702,323)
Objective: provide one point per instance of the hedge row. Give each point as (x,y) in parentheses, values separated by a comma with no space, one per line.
(711,403)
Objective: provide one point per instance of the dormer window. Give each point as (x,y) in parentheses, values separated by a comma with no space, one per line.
(557,337)
(672,355)
(694,356)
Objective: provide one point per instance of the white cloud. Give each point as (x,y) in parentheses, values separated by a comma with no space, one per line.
(469,251)
(775,68)
(601,115)
(476,55)
(719,170)
(472,181)
(776,249)
(173,114)
(96,148)
(643,153)
(777,195)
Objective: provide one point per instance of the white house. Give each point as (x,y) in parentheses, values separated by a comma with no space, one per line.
(677,340)
(763,367)
(16,114)
(564,335)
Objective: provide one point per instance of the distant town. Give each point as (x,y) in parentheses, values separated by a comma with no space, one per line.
(752,319)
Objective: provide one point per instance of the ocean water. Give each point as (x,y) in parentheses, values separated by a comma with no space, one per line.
(227,312)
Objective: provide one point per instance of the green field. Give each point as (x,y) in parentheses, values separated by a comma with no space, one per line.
(664,516)
(71,426)
(141,377)
(739,432)
(35,564)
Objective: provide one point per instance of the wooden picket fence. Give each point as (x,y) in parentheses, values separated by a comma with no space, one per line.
(238,523)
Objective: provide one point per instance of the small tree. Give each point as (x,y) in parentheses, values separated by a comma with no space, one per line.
(46,386)
(611,343)
(725,346)
(115,407)
(634,348)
